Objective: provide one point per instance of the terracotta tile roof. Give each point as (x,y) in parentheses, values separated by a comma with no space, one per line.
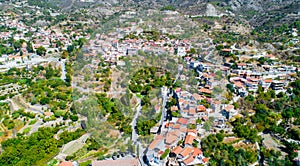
(182,121)
(171,138)
(157,107)
(225,68)
(217,102)
(268,81)
(48,113)
(242,64)
(201,108)
(192,111)
(176,132)
(197,152)
(254,79)
(192,131)
(207,86)
(159,137)
(189,139)
(160,152)
(177,150)
(66,163)
(188,160)
(205,118)
(197,96)
(205,75)
(204,90)
(156,141)
(229,107)
(205,160)
(208,100)
(186,102)
(177,126)
(238,84)
(123,162)
(171,124)
(181,100)
(186,151)
(270,56)
(192,121)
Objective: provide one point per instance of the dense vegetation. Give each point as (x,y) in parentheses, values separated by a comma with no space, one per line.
(36,149)
(270,108)
(225,154)
(43,4)
(280,34)
(102,106)
(147,78)
(278,114)
(143,81)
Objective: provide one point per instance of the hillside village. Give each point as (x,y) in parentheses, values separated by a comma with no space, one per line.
(145,92)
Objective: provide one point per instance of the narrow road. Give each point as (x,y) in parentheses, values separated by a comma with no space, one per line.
(139,148)
(178,74)
(207,57)
(164,92)
(134,120)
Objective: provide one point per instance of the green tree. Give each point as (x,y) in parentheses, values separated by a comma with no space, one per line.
(41,50)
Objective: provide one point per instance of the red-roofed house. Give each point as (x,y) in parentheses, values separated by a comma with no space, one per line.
(192,111)
(182,121)
(201,108)
(185,153)
(197,96)
(171,138)
(188,160)
(66,163)
(197,152)
(176,151)
(205,160)
(189,139)
(205,91)
(155,144)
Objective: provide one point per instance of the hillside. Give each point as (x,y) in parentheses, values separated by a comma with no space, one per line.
(257,12)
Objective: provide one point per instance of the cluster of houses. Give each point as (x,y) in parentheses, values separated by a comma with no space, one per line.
(181,143)
(113,45)
(276,77)
(181,135)
(40,36)
(53,40)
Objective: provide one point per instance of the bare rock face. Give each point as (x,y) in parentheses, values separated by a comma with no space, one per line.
(261,12)
(212,11)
